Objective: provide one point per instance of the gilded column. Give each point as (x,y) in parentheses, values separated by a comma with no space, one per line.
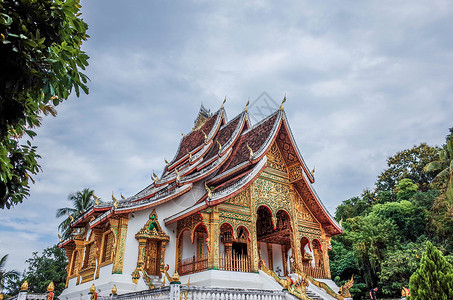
(80,247)
(213,255)
(69,250)
(140,259)
(255,257)
(295,239)
(97,254)
(121,242)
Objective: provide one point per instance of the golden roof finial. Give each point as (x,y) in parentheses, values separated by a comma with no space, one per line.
(220,145)
(71,217)
(96,199)
(61,239)
(284,100)
(24,286)
(1,294)
(182,134)
(208,190)
(115,201)
(313,172)
(51,287)
(250,150)
(223,103)
(175,277)
(178,177)
(122,197)
(92,289)
(341,222)
(154,174)
(246,105)
(188,282)
(190,154)
(166,162)
(114,289)
(205,136)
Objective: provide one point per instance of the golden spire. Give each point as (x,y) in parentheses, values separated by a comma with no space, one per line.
(177,175)
(24,286)
(223,103)
(166,162)
(51,287)
(205,136)
(122,197)
(246,105)
(284,100)
(313,172)
(71,217)
(188,282)
(96,198)
(250,150)
(208,190)
(114,289)
(61,239)
(220,145)
(92,289)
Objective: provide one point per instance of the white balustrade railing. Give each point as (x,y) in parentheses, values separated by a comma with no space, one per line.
(178,292)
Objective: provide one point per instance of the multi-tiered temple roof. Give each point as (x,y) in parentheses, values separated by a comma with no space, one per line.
(224,157)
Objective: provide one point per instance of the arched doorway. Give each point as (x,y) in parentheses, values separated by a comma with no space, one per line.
(193,250)
(274,239)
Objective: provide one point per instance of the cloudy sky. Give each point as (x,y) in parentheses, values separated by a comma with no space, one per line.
(363,79)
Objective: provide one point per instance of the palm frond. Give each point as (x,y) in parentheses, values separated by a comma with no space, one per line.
(434,166)
(64,211)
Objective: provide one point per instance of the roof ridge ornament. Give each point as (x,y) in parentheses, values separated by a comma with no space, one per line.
(223,103)
(313,172)
(115,201)
(96,199)
(178,177)
(71,217)
(60,238)
(122,197)
(183,135)
(220,145)
(251,151)
(208,190)
(190,155)
(166,162)
(284,100)
(246,105)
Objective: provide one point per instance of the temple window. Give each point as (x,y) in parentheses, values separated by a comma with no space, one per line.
(74,263)
(194,252)
(107,247)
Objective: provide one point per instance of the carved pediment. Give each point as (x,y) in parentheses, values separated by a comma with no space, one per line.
(152,229)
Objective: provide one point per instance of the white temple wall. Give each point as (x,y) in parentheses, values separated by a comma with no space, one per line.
(188,249)
(263,252)
(277,257)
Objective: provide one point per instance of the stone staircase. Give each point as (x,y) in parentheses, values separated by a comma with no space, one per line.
(314,296)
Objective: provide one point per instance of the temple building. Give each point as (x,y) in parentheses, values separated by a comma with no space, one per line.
(235,200)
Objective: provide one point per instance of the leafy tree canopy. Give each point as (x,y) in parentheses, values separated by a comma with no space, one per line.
(43,269)
(6,276)
(408,164)
(40,62)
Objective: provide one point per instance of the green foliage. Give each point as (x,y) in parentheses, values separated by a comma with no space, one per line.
(43,269)
(434,278)
(385,231)
(408,164)
(81,201)
(6,276)
(40,62)
(405,189)
(398,266)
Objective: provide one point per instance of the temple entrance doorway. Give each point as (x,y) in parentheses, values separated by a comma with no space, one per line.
(192,251)
(152,258)
(274,240)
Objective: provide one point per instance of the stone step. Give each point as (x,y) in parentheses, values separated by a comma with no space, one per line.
(314,296)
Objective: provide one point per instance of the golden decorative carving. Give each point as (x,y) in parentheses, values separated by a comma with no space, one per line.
(275,159)
(295,173)
(151,248)
(24,286)
(344,289)
(120,244)
(241,199)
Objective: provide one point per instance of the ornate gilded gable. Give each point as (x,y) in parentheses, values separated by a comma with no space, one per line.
(275,159)
(152,229)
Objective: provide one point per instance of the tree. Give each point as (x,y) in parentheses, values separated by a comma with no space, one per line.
(81,201)
(434,278)
(405,189)
(42,269)
(443,168)
(408,164)
(6,275)
(40,62)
